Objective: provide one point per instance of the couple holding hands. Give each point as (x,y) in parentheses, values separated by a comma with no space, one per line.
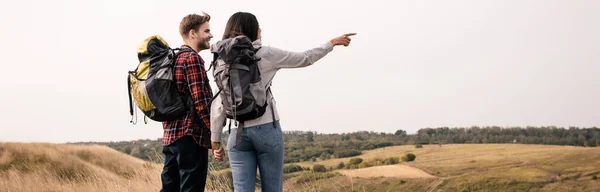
(259,143)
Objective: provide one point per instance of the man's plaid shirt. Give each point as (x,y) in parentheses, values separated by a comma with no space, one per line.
(191,77)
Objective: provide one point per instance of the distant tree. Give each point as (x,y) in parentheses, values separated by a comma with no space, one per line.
(127,150)
(400,132)
(358,137)
(310,136)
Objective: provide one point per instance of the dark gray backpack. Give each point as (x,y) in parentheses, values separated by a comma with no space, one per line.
(237,76)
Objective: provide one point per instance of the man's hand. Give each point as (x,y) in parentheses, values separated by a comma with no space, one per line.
(218,151)
(342,40)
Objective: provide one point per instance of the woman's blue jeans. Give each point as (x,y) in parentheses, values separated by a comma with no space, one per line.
(260,146)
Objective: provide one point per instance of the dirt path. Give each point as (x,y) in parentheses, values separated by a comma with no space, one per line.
(435,184)
(400,171)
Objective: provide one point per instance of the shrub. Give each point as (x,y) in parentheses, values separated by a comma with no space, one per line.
(292,168)
(391,161)
(418,146)
(409,157)
(324,156)
(347,166)
(319,168)
(363,165)
(341,165)
(383,144)
(355,161)
(377,162)
(346,153)
(595,177)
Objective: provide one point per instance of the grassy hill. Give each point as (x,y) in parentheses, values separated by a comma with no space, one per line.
(51,167)
(62,167)
(455,167)
(476,167)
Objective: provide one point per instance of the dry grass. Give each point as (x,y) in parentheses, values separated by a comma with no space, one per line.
(502,167)
(53,167)
(400,171)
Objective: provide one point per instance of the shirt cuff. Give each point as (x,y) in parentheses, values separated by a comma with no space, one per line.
(329,46)
(215,137)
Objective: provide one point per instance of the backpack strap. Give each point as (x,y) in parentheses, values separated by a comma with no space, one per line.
(214,61)
(229,126)
(238,134)
(131,110)
(182,50)
(272,98)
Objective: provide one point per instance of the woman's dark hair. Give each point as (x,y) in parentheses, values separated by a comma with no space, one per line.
(241,23)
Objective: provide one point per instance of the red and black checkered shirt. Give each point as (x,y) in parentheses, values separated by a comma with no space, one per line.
(191,77)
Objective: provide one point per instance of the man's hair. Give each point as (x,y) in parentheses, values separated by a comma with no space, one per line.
(241,23)
(192,22)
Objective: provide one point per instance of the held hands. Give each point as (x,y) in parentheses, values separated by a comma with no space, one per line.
(218,151)
(342,40)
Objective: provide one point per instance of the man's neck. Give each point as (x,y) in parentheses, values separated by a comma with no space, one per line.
(194,47)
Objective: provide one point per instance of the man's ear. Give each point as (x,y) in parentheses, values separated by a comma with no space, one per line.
(192,34)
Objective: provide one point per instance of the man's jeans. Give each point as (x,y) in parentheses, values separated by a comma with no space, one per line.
(261,146)
(185,166)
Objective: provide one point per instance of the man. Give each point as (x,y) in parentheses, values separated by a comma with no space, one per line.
(186,141)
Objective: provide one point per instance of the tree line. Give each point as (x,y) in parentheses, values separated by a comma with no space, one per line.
(573,136)
(312,146)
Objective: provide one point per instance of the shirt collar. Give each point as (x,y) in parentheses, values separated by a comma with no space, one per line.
(188,47)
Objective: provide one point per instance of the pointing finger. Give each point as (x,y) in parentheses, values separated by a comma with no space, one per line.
(349,34)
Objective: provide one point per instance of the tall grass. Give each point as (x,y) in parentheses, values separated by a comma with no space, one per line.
(51,167)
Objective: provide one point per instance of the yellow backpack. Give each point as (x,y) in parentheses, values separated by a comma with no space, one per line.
(152,84)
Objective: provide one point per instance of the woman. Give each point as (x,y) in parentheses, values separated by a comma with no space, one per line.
(261,141)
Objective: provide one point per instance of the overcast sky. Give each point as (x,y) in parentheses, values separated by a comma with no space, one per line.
(413,64)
